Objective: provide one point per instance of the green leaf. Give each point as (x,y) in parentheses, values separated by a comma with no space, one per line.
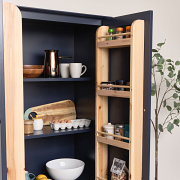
(164,103)
(175,95)
(167,83)
(160,44)
(154,65)
(169,68)
(154,50)
(171,75)
(170,127)
(176,122)
(169,108)
(173,67)
(160,67)
(160,127)
(169,60)
(161,61)
(157,56)
(179,98)
(178,76)
(153,92)
(177,63)
(175,104)
(153,86)
(160,71)
(175,86)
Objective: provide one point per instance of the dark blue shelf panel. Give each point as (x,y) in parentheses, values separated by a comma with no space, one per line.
(48,132)
(57,79)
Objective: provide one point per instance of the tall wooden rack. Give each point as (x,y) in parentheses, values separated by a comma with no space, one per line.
(136,44)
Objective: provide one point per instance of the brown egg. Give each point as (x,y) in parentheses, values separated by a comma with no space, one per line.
(53,121)
(59,120)
(63,121)
(69,121)
(56,122)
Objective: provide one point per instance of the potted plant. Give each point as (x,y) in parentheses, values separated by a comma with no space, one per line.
(167,70)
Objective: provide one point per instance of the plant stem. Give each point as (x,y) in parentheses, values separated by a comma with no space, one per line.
(156,146)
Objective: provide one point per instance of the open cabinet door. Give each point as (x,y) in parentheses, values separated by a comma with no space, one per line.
(140,55)
(13,80)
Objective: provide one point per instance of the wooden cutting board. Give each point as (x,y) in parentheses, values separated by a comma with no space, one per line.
(57,110)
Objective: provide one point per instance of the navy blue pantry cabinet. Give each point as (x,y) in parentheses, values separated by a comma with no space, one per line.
(25,34)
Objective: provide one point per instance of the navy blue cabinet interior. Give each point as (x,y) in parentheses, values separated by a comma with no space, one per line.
(74,35)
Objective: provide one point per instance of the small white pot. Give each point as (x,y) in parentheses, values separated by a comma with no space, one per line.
(38,124)
(109,128)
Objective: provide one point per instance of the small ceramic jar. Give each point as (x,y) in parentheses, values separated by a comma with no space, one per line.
(109,128)
(38,124)
(28,127)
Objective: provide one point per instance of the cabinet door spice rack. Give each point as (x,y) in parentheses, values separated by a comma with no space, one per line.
(136,43)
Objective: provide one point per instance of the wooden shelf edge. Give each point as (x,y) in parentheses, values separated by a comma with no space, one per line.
(112,142)
(47,132)
(114,43)
(122,137)
(114,35)
(43,79)
(99,178)
(115,86)
(113,93)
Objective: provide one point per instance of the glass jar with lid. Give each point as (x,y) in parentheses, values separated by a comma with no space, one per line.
(110,31)
(28,126)
(119,30)
(128,29)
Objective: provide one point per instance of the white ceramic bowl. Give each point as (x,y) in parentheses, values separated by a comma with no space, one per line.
(65,169)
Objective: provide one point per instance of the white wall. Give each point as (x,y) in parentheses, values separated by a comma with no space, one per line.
(165,26)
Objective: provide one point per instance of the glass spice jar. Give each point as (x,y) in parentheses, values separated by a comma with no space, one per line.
(119,130)
(108,83)
(28,126)
(110,31)
(128,29)
(121,82)
(119,30)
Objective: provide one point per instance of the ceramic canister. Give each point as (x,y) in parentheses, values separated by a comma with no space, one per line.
(109,128)
(37,124)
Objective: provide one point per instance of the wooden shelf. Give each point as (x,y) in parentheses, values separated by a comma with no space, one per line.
(57,79)
(113,93)
(115,86)
(115,43)
(48,132)
(113,142)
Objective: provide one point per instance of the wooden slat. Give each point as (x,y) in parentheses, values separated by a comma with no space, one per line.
(122,137)
(115,43)
(112,142)
(113,93)
(115,86)
(14,105)
(101,178)
(115,35)
(136,99)
(102,70)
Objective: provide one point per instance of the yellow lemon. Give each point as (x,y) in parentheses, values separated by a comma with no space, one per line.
(40,176)
(43,178)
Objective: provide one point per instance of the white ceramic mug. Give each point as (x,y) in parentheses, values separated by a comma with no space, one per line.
(38,124)
(76,69)
(64,70)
